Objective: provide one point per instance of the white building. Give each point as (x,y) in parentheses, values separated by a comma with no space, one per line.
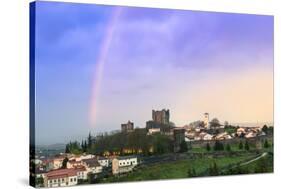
(82,173)
(61,177)
(103,161)
(123,164)
(92,165)
(208,137)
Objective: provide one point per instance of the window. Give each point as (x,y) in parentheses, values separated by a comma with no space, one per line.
(62,180)
(74,179)
(55,181)
(71,180)
(50,181)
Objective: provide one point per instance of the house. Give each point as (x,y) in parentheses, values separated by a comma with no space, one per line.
(61,177)
(92,165)
(240,131)
(123,164)
(73,163)
(57,162)
(82,173)
(208,137)
(103,161)
(223,136)
(40,172)
(251,134)
(38,161)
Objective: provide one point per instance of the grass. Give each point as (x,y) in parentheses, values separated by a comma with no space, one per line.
(178,169)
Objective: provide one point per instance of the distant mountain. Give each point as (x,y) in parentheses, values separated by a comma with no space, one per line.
(57,146)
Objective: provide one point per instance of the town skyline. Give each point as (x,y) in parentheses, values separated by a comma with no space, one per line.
(100,66)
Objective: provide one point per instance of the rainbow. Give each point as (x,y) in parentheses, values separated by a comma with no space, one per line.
(101,61)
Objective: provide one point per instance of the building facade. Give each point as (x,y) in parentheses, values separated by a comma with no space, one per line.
(123,164)
(127,127)
(179,137)
(206,120)
(161,117)
(61,177)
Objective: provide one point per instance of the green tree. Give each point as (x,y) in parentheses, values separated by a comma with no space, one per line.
(191,172)
(266,144)
(39,181)
(213,169)
(183,146)
(64,163)
(241,145)
(246,146)
(218,146)
(67,149)
(90,140)
(228,148)
(208,147)
(215,123)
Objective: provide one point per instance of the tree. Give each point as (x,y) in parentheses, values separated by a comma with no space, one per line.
(246,146)
(191,172)
(90,140)
(240,145)
(265,145)
(215,123)
(64,163)
(265,129)
(39,181)
(183,146)
(218,146)
(67,149)
(228,148)
(213,170)
(208,148)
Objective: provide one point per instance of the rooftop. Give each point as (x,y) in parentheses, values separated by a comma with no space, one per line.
(61,173)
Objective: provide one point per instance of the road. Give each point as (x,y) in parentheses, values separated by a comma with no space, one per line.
(253,160)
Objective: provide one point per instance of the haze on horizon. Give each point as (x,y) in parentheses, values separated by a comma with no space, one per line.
(190,62)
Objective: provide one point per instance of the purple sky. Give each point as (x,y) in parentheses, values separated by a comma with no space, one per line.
(190,62)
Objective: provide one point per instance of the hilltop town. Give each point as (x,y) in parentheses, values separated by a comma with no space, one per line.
(112,156)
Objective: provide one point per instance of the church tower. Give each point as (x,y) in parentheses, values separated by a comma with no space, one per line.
(206,120)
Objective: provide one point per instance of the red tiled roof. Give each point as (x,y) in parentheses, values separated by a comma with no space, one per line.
(61,173)
(80,168)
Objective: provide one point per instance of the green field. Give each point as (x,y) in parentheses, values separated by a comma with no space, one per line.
(179,169)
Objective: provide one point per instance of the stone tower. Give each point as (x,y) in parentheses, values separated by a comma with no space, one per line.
(161,117)
(206,120)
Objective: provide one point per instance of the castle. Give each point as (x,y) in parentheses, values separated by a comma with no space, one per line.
(127,127)
(161,116)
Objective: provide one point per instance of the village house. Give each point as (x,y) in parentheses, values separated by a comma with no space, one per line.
(73,163)
(80,157)
(40,172)
(208,137)
(82,173)
(223,136)
(123,164)
(103,161)
(92,165)
(61,177)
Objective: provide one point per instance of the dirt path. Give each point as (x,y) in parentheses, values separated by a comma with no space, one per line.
(253,160)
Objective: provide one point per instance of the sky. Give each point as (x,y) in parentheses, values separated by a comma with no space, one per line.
(99,66)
